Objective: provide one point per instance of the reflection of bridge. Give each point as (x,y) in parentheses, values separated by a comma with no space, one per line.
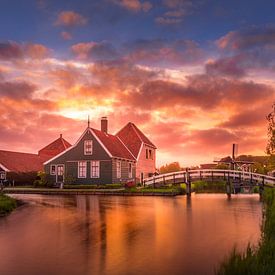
(245,179)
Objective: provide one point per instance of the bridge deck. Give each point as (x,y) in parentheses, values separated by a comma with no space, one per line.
(191,175)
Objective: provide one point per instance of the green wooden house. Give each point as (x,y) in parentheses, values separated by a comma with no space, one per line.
(96,158)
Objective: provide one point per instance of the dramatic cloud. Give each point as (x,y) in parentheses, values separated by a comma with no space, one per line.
(95,51)
(232,66)
(201,91)
(16,90)
(245,50)
(248,39)
(134,5)
(12,51)
(247,118)
(164,53)
(70,19)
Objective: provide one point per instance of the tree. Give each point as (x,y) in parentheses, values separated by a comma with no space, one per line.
(171,167)
(270,148)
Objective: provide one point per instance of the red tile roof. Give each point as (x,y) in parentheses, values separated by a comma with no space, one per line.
(25,162)
(132,137)
(113,145)
(20,162)
(54,148)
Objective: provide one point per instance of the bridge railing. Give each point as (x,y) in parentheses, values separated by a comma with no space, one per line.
(209,173)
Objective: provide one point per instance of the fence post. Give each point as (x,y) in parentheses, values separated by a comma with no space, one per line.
(154,181)
(174,179)
(261,189)
(163,179)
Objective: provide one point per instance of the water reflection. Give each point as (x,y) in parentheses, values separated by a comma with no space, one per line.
(126,235)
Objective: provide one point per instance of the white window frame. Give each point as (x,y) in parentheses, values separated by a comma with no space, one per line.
(53,173)
(118,169)
(80,175)
(95,169)
(86,142)
(130,169)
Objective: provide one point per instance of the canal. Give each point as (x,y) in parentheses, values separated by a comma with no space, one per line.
(126,235)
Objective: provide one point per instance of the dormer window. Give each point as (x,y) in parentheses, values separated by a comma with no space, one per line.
(88,147)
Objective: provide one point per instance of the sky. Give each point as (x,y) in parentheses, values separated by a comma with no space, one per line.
(194,76)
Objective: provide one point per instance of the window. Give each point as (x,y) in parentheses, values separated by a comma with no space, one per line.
(88,147)
(118,169)
(95,169)
(130,170)
(53,170)
(150,154)
(82,169)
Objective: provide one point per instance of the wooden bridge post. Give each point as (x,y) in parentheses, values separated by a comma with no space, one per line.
(163,179)
(188,183)
(174,179)
(228,186)
(200,175)
(154,181)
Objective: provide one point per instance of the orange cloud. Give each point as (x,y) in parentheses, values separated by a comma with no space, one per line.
(70,19)
(134,5)
(14,51)
(66,35)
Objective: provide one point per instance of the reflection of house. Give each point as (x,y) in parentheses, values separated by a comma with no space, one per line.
(99,157)
(25,162)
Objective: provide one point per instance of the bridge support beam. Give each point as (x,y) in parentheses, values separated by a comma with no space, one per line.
(188,183)
(228,186)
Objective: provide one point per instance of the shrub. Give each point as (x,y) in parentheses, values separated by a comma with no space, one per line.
(7,204)
(42,180)
(22,178)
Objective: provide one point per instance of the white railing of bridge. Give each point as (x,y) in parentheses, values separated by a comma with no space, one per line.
(210,173)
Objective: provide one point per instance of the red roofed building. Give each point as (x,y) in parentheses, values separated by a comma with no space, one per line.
(99,157)
(141,147)
(25,162)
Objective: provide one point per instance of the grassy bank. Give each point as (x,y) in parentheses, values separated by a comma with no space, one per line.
(7,204)
(201,186)
(260,260)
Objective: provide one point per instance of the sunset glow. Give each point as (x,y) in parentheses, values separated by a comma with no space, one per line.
(193,86)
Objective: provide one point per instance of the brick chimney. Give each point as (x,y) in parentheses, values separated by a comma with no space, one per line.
(104,124)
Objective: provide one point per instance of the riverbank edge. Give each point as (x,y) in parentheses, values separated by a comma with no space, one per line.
(106,192)
(9,205)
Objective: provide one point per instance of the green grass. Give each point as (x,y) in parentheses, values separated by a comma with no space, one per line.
(210,187)
(259,260)
(7,204)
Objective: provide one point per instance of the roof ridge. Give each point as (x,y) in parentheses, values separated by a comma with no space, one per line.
(132,124)
(122,128)
(8,151)
(63,142)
